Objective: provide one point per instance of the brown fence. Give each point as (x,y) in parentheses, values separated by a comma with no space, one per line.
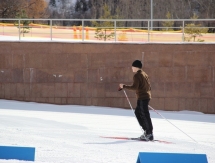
(182,75)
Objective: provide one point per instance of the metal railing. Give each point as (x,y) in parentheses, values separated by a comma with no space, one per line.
(109,30)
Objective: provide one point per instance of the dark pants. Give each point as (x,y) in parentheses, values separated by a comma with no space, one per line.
(143,116)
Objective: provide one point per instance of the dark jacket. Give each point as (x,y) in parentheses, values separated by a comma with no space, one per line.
(141,85)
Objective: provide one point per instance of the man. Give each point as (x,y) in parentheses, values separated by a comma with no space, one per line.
(142,87)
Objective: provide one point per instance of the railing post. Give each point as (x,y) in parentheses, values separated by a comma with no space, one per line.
(115,29)
(82,30)
(148,32)
(19,30)
(183,32)
(51,29)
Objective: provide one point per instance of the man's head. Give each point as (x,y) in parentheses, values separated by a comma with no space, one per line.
(136,65)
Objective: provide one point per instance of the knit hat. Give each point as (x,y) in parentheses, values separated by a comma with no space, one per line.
(137,63)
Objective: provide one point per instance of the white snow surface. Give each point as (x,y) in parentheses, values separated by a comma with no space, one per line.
(71,133)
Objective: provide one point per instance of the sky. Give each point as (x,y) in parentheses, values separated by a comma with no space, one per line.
(72,133)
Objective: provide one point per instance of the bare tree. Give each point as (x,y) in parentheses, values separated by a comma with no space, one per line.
(36,8)
(9,8)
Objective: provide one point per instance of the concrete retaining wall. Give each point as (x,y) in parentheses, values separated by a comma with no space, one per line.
(182,75)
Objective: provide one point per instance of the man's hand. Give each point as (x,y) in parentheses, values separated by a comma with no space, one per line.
(121,86)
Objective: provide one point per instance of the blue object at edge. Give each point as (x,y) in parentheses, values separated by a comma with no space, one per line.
(17,153)
(147,157)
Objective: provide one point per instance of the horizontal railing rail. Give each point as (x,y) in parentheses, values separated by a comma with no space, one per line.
(109,30)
